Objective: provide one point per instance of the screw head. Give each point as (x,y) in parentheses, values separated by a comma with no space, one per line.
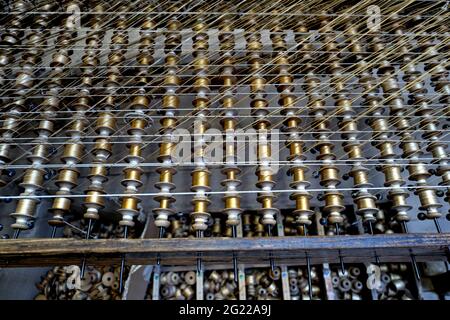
(447,216)
(10,172)
(421,216)
(440,193)
(52,151)
(7,200)
(47,174)
(50,173)
(345,177)
(323,221)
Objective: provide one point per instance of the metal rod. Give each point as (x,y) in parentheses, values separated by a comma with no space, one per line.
(377,259)
(235,262)
(160,236)
(53,232)
(76,228)
(83,267)
(157,271)
(87,235)
(199,234)
(405,227)
(370,227)
(413,258)
(88,232)
(16,233)
(341,260)
(438,226)
(308,266)
(271,261)
(122,263)
(415,267)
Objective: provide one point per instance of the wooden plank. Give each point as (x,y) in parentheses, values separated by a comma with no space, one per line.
(189,260)
(286,250)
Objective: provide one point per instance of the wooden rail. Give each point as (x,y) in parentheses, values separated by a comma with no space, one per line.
(286,250)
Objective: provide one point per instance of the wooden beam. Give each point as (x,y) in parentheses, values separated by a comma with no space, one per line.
(288,250)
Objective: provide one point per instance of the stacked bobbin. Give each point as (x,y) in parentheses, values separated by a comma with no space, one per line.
(33,179)
(348,124)
(168,121)
(105,124)
(411,150)
(329,173)
(381,136)
(229,121)
(137,121)
(291,125)
(11,38)
(433,57)
(259,110)
(200,174)
(74,148)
